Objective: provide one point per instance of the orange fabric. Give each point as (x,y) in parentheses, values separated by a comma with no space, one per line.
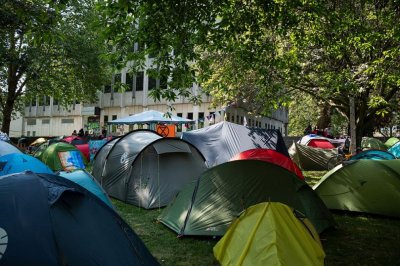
(167,131)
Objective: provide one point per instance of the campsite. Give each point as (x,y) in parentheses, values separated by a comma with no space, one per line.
(223,195)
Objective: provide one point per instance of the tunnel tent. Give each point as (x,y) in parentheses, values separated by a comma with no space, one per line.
(144,169)
(221,193)
(310,158)
(54,221)
(368,186)
(222,141)
(101,156)
(270,233)
(271,156)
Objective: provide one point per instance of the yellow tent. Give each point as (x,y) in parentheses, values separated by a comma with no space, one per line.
(269,233)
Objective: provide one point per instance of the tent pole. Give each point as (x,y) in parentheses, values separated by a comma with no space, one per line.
(158,180)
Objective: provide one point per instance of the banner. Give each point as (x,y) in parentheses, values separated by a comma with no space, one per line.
(94,147)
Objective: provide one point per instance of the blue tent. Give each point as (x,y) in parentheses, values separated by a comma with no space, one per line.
(395,150)
(86,180)
(19,162)
(373,155)
(49,220)
(6,148)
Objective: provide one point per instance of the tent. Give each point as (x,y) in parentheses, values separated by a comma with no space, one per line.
(95,146)
(310,158)
(222,141)
(38,141)
(373,155)
(372,144)
(316,141)
(146,170)
(270,233)
(53,221)
(100,157)
(390,142)
(272,157)
(221,193)
(7,148)
(369,186)
(150,117)
(84,149)
(74,140)
(37,152)
(63,156)
(19,162)
(395,150)
(86,180)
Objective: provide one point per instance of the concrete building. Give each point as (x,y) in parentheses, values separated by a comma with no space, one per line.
(45,117)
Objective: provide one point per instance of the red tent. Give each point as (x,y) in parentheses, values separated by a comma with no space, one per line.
(320,143)
(74,140)
(271,156)
(84,148)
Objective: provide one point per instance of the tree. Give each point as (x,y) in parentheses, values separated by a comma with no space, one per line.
(49,48)
(262,51)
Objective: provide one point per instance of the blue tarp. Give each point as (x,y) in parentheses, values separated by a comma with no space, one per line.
(150,117)
(373,155)
(19,162)
(87,181)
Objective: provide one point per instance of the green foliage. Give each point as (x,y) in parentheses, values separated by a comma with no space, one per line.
(257,53)
(49,48)
(303,111)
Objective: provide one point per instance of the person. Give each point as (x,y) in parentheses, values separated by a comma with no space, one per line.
(81,133)
(346,148)
(308,130)
(74,133)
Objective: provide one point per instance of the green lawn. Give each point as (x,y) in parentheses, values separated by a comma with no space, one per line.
(358,240)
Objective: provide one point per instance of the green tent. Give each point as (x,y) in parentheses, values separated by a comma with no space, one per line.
(370,186)
(390,142)
(221,193)
(270,233)
(63,156)
(372,144)
(310,158)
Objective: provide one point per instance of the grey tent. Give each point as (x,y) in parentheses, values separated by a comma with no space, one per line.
(221,142)
(221,193)
(101,156)
(146,170)
(310,158)
(370,186)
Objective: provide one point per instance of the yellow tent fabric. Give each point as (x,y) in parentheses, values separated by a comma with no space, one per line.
(270,234)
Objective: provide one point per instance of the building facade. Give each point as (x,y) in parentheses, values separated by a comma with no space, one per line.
(44,117)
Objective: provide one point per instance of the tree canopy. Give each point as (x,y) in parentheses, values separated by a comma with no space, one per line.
(49,48)
(259,52)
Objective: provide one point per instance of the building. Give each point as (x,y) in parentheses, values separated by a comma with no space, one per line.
(45,117)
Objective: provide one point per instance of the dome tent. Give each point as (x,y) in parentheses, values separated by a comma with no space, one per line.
(221,193)
(54,221)
(101,156)
(144,169)
(63,156)
(370,186)
(271,156)
(270,233)
(19,162)
(7,148)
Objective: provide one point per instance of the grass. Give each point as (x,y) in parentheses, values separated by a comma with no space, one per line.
(358,240)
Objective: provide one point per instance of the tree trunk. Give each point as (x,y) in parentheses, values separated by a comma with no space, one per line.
(325,116)
(7,113)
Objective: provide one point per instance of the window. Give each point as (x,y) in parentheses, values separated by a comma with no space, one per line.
(152,83)
(163,83)
(107,88)
(139,81)
(28,133)
(33,133)
(179,126)
(201,120)
(241,120)
(67,121)
(45,121)
(105,119)
(46,100)
(31,122)
(55,101)
(129,81)
(189,116)
(233,119)
(114,127)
